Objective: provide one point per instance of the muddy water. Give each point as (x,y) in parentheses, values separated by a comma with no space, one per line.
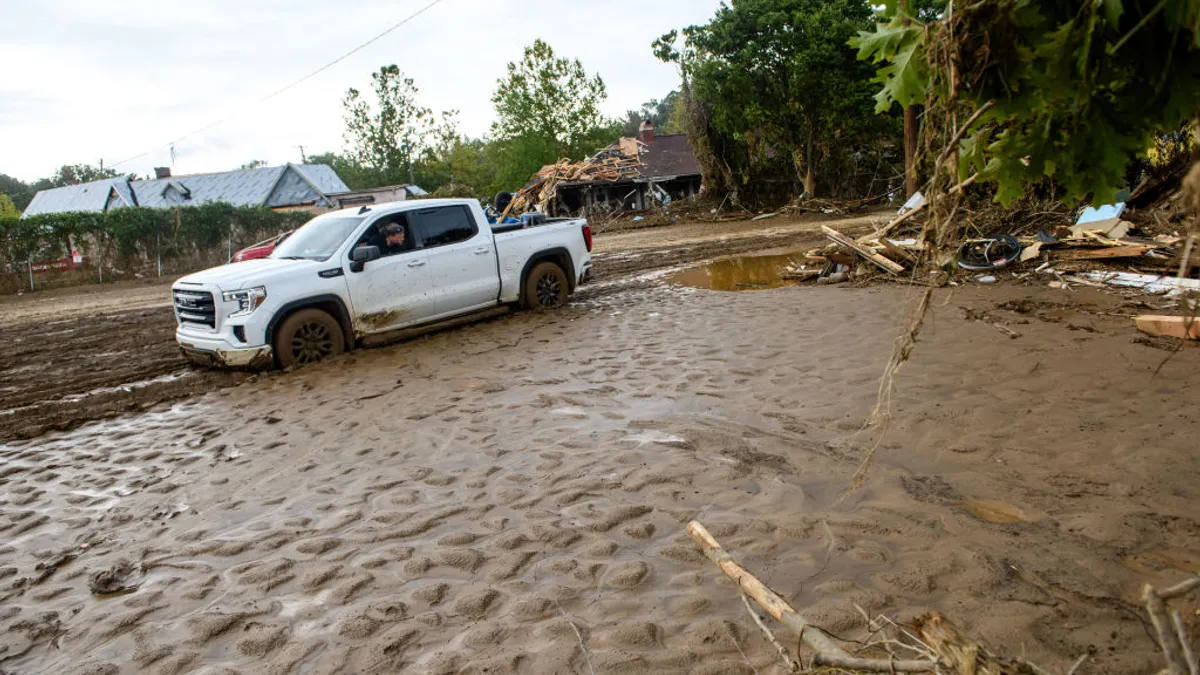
(466,501)
(745,273)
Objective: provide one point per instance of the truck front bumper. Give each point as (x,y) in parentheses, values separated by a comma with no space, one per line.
(209,349)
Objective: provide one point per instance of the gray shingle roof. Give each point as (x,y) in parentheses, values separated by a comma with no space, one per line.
(85,197)
(277,186)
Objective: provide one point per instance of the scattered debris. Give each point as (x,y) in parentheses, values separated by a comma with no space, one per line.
(863,251)
(1182,327)
(1006,330)
(1031,252)
(1098,214)
(123,577)
(1105,220)
(1146,282)
(916,201)
(764,216)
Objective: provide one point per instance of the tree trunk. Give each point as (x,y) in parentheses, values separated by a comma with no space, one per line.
(911,127)
(810,179)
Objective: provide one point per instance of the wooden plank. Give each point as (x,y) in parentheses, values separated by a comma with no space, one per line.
(898,254)
(1183,327)
(866,253)
(1104,253)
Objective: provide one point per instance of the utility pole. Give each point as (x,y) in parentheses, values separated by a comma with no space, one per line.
(911,127)
(303,157)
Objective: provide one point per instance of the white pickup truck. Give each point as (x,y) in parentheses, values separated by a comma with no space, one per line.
(348,275)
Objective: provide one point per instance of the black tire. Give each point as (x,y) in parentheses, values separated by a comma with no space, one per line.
(308,336)
(546,287)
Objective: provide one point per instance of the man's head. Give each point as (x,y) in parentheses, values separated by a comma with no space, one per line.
(394,234)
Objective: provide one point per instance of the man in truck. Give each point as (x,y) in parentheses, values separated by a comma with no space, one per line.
(390,238)
(394,239)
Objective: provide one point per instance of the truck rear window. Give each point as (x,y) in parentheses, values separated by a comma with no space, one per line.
(443,225)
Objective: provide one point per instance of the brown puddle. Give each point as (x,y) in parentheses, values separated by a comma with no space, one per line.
(750,273)
(995,512)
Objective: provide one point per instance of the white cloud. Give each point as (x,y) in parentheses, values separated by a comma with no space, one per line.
(114,79)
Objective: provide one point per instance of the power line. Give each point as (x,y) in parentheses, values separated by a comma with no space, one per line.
(288,87)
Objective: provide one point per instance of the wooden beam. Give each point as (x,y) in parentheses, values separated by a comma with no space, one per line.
(898,254)
(871,256)
(1104,253)
(1182,327)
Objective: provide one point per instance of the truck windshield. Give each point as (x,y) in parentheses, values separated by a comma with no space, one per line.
(318,239)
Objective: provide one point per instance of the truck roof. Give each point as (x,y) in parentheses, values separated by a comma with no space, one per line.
(396,207)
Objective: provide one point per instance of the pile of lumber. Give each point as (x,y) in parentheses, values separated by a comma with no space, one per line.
(1089,247)
(845,255)
(619,161)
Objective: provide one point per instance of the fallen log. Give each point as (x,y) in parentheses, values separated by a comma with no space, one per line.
(829,653)
(866,253)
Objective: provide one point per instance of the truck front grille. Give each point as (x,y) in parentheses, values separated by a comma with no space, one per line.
(196,307)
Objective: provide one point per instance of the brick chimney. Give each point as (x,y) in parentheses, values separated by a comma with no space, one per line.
(647,132)
(161,172)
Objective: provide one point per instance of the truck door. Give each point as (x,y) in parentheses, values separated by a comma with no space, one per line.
(397,289)
(461,256)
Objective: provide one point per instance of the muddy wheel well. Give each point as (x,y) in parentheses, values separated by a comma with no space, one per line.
(558,256)
(331,305)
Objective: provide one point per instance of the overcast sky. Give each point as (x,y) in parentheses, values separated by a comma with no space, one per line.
(112,79)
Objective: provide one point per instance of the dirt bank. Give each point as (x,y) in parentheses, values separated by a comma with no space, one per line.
(81,354)
(466,501)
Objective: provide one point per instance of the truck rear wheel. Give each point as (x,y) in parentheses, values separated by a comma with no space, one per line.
(546,287)
(308,336)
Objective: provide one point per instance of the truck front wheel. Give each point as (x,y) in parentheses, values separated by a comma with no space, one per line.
(308,336)
(546,287)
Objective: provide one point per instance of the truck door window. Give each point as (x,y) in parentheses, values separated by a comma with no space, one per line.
(443,225)
(378,235)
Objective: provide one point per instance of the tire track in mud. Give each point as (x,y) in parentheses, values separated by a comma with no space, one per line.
(60,374)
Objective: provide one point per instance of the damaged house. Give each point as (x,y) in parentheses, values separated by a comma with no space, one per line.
(632,174)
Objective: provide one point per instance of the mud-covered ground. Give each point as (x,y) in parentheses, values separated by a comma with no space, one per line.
(511,496)
(75,355)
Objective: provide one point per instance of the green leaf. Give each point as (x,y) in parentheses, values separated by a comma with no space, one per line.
(884,43)
(904,81)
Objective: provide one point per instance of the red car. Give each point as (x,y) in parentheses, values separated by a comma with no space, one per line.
(262,249)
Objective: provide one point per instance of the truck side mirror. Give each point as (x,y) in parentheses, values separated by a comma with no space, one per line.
(362,255)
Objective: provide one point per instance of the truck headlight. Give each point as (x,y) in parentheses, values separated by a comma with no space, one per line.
(247,299)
